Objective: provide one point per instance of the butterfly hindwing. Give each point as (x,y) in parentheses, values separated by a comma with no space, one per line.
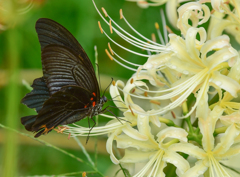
(68,105)
(38,95)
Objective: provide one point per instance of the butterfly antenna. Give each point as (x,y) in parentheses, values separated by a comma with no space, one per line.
(108,86)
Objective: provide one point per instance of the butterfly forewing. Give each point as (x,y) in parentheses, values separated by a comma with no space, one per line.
(65,67)
(51,32)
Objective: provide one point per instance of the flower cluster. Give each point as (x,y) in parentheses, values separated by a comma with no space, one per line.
(180,108)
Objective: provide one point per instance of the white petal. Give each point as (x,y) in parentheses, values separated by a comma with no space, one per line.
(109,146)
(214,44)
(136,156)
(216,4)
(202,108)
(220,26)
(191,41)
(231,119)
(227,140)
(177,160)
(230,153)
(196,170)
(171,132)
(220,56)
(225,83)
(171,12)
(133,133)
(155,120)
(124,141)
(114,92)
(235,71)
(144,127)
(188,148)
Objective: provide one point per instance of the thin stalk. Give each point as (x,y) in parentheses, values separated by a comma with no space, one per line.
(96,117)
(54,147)
(12,102)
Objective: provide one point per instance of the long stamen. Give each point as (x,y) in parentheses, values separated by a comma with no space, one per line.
(122,46)
(114,53)
(159,33)
(133,40)
(112,58)
(164,24)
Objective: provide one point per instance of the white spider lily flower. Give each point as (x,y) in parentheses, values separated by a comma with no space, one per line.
(153,152)
(171,6)
(211,154)
(197,66)
(232,121)
(196,12)
(231,24)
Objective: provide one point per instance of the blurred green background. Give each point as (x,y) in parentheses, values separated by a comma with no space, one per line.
(20,59)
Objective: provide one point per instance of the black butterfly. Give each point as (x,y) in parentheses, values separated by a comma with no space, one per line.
(68,90)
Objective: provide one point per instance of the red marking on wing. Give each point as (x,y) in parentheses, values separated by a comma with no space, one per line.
(94,103)
(91,99)
(94,93)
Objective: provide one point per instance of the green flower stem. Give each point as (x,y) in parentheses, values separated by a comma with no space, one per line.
(167,122)
(171,142)
(54,147)
(185,111)
(193,134)
(219,130)
(77,173)
(12,102)
(84,151)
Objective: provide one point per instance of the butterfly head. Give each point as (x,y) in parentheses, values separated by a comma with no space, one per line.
(103,99)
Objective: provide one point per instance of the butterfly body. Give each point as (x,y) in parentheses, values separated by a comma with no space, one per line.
(68,90)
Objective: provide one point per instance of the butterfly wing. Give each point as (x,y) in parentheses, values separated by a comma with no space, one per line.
(51,32)
(38,95)
(65,64)
(68,105)
(65,67)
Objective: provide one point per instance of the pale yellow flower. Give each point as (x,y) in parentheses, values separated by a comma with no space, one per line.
(196,12)
(196,65)
(154,152)
(231,24)
(211,155)
(171,6)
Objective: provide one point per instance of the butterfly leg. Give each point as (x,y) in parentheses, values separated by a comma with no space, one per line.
(90,129)
(118,118)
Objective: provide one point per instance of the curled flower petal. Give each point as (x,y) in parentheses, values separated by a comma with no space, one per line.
(134,157)
(227,140)
(109,146)
(194,12)
(177,160)
(215,43)
(188,148)
(131,132)
(171,132)
(198,169)
(226,83)
(114,92)
(124,141)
